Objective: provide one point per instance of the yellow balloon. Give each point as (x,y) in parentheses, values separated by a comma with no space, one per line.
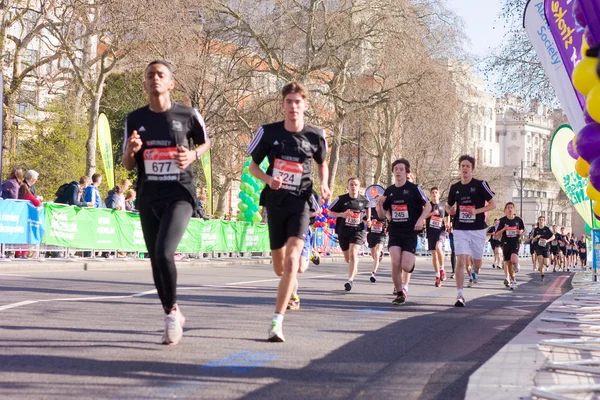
(582,167)
(592,103)
(585,76)
(592,193)
(584,46)
(597,207)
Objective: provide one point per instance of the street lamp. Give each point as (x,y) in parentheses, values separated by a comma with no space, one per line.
(521,180)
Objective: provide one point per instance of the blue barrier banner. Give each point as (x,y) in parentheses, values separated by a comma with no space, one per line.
(21,222)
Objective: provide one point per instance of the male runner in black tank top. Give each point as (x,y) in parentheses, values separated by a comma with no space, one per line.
(157,142)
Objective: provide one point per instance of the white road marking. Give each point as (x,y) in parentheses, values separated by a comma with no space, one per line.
(14,305)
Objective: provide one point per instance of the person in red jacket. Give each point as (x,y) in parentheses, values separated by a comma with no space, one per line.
(25,194)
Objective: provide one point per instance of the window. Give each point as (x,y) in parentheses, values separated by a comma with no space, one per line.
(497,137)
(30,57)
(26,102)
(513,136)
(490,156)
(479,130)
(484,134)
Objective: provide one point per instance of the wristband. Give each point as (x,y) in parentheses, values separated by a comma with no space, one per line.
(197,155)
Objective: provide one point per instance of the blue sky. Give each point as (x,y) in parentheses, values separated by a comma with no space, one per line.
(483,26)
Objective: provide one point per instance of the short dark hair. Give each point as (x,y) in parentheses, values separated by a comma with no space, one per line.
(466,157)
(510,203)
(402,161)
(354,179)
(95,177)
(294,87)
(160,62)
(433,188)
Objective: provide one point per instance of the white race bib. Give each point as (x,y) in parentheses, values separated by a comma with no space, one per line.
(399,212)
(376,226)
(354,220)
(542,242)
(159,163)
(512,231)
(464,215)
(436,222)
(290,173)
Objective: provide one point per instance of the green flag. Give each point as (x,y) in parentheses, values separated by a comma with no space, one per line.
(105,143)
(207,167)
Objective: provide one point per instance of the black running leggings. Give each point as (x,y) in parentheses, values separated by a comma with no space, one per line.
(163,228)
(453,253)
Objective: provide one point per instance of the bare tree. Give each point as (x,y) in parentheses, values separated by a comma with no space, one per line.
(27,47)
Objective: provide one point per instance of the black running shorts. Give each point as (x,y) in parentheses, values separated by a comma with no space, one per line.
(542,251)
(434,237)
(373,239)
(354,237)
(287,216)
(406,242)
(495,243)
(563,250)
(508,249)
(554,250)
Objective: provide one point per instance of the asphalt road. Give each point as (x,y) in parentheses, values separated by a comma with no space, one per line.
(95,334)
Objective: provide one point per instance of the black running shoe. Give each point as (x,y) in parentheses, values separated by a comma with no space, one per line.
(542,278)
(460,302)
(400,299)
(348,286)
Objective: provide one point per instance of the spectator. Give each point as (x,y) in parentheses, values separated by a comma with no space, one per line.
(31,178)
(10,187)
(129,200)
(25,194)
(112,200)
(91,193)
(71,195)
(124,185)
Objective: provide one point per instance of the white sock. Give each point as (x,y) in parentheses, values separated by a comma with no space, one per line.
(405,288)
(441,267)
(278,317)
(437,274)
(460,293)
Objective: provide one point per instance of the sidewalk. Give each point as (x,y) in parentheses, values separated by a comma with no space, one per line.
(524,366)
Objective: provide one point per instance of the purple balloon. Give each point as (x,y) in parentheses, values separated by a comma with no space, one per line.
(587,33)
(594,176)
(572,152)
(588,118)
(579,14)
(588,142)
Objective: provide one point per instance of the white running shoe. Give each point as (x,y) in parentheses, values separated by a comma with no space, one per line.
(513,285)
(460,302)
(276,332)
(174,322)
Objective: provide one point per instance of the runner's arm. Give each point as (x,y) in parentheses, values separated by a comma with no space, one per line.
(324,177)
(426,211)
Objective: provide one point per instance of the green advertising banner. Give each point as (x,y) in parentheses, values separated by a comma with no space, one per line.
(104,229)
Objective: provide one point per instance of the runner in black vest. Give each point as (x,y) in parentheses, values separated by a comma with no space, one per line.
(496,245)
(436,224)
(351,210)
(554,247)
(582,245)
(157,142)
(509,229)
(376,235)
(290,147)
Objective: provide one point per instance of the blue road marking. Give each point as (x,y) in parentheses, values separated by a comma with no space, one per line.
(227,359)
